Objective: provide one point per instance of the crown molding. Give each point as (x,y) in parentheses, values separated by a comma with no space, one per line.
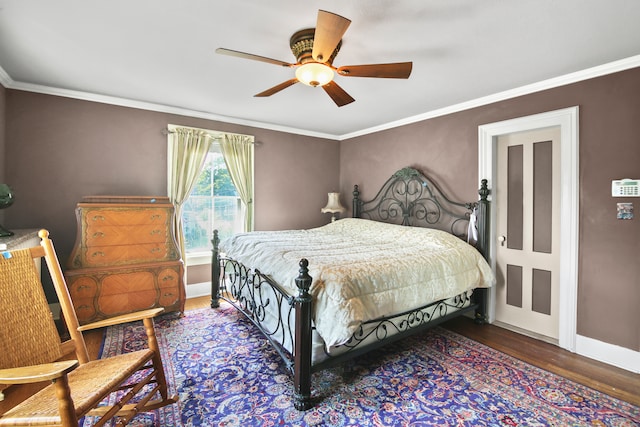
(9,83)
(601,70)
(590,73)
(5,79)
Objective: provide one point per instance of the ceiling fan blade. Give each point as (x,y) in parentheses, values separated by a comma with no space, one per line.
(339,96)
(398,70)
(244,55)
(277,88)
(329,31)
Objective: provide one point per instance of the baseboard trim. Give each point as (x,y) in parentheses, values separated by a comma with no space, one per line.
(198,289)
(608,353)
(526,332)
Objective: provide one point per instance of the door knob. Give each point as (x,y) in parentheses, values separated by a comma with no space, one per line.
(502,239)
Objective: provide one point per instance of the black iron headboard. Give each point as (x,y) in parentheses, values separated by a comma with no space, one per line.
(411,198)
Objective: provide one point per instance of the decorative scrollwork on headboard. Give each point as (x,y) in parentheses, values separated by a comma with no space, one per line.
(410,198)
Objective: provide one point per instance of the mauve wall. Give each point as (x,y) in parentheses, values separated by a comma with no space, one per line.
(60,149)
(447,148)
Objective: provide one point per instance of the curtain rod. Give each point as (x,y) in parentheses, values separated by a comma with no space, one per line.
(167,131)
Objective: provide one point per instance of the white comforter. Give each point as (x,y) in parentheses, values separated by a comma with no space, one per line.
(363,270)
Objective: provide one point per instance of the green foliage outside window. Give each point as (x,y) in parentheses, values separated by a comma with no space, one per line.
(212,204)
(221,182)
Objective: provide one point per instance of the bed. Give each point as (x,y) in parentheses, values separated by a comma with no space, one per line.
(322,296)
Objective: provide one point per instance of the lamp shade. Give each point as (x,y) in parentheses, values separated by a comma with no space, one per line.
(333,204)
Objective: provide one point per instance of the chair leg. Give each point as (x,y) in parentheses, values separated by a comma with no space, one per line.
(65,403)
(125,410)
(157,360)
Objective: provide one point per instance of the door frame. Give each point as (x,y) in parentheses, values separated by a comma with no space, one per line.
(567,120)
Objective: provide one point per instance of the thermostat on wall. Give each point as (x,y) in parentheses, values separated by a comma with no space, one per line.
(625,188)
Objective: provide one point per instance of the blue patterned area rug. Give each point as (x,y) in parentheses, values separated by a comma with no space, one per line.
(226,374)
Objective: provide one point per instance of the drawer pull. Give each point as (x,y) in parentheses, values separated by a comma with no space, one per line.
(168,294)
(98,234)
(98,218)
(155,250)
(156,232)
(99,253)
(81,287)
(83,307)
(167,278)
(156,216)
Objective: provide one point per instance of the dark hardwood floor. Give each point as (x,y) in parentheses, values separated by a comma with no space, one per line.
(616,382)
(613,381)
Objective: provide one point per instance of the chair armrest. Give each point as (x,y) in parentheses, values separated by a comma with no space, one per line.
(125,318)
(37,373)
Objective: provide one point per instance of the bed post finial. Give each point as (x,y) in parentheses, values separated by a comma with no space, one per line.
(215,271)
(356,202)
(303,281)
(302,345)
(484,190)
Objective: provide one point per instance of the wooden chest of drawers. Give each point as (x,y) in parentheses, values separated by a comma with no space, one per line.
(125,257)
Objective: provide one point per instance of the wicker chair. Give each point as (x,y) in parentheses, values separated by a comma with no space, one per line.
(32,352)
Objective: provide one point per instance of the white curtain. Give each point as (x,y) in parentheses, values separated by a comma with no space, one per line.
(187,152)
(238,153)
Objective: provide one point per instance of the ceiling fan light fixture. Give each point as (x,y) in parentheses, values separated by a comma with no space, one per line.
(314,74)
(311,47)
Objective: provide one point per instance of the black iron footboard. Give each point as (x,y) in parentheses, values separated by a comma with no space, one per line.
(376,333)
(258,297)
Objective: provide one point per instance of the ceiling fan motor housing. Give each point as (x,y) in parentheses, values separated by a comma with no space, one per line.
(301,44)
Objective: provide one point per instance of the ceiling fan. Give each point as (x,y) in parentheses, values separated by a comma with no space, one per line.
(315,49)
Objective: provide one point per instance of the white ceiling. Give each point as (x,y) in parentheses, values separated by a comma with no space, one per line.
(159,54)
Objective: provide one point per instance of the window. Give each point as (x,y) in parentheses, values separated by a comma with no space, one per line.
(212,204)
(221,191)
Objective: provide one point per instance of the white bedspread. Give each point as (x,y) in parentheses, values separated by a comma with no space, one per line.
(363,270)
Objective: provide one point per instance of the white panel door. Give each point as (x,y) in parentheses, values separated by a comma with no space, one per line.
(527,195)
